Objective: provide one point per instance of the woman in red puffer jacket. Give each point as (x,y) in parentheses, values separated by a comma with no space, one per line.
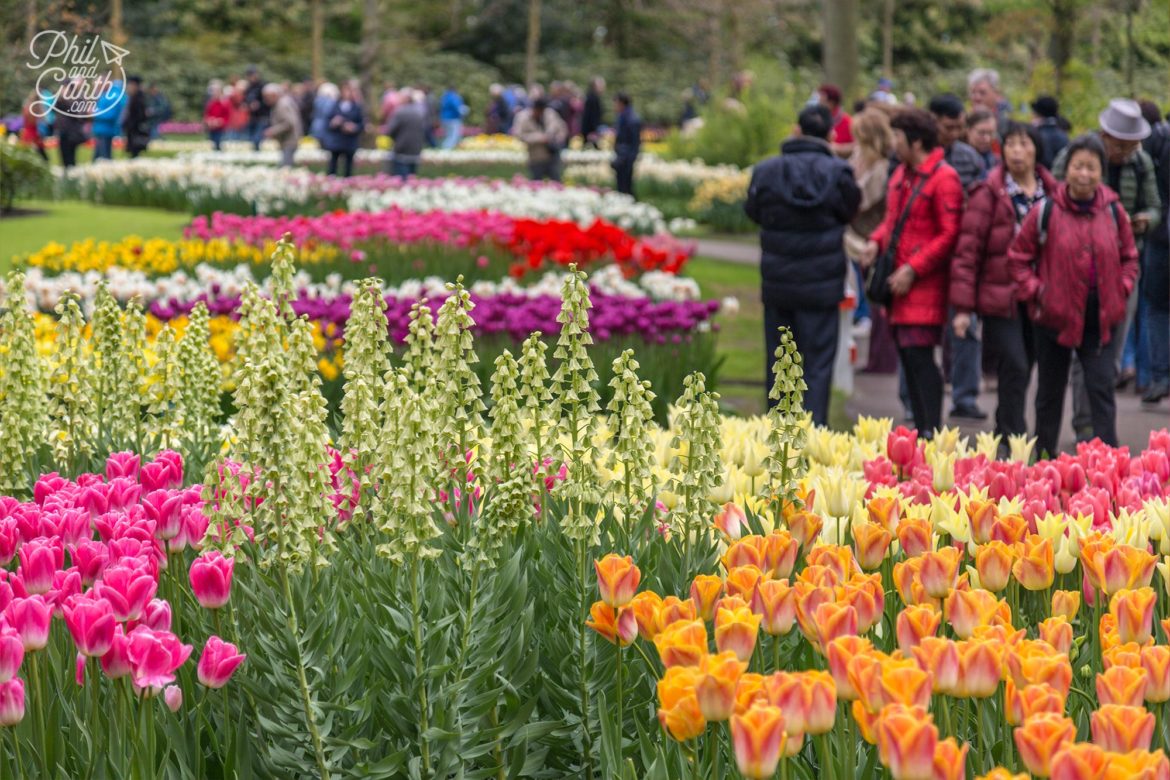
(981,281)
(1075,274)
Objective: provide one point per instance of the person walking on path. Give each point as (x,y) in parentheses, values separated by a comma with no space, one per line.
(285,126)
(966,354)
(841,134)
(107,121)
(323,104)
(1074,263)
(137,125)
(343,130)
(803,200)
(981,279)
(983,92)
(592,114)
(627,143)
(451,113)
(1155,283)
(408,131)
(70,135)
(982,136)
(544,133)
(924,203)
(259,110)
(1129,172)
(1053,139)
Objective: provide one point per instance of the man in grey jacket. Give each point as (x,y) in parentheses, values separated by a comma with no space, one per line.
(285,124)
(408,130)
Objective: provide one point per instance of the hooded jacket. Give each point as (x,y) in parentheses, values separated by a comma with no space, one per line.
(1055,278)
(803,200)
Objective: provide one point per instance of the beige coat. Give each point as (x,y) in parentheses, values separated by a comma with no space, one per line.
(286,123)
(872,183)
(541,137)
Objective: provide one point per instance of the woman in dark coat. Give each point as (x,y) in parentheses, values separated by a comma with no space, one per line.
(343,130)
(137,125)
(981,281)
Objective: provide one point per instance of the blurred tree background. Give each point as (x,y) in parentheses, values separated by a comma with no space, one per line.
(1083,50)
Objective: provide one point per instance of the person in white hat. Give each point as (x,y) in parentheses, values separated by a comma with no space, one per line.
(1129,172)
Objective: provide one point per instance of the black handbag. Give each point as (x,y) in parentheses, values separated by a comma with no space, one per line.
(877,280)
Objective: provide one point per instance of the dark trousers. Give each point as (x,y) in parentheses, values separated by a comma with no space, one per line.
(216,137)
(925,383)
(815,331)
(68,151)
(1011,343)
(346,159)
(548,168)
(403,169)
(1100,371)
(624,171)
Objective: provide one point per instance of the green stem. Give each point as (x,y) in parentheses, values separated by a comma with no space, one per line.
(16,753)
(94,712)
(620,700)
(583,680)
(40,704)
(945,706)
(776,641)
(302,680)
(826,757)
(419,679)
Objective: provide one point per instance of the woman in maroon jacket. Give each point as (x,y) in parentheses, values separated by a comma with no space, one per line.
(920,280)
(1075,273)
(981,281)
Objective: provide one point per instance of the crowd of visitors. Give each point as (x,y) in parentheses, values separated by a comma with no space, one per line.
(1004,243)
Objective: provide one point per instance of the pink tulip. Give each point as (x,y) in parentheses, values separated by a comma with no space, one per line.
(122,493)
(30,617)
(90,557)
(91,623)
(79,670)
(156,615)
(39,558)
(122,464)
(69,525)
(116,661)
(47,485)
(164,508)
(211,579)
(163,473)
(218,662)
(173,696)
(9,539)
(901,447)
(12,702)
(128,589)
(154,657)
(66,584)
(11,653)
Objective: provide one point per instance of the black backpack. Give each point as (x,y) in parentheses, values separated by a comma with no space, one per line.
(1046,214)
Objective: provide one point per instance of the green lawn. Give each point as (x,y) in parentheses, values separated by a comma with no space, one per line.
(69,221)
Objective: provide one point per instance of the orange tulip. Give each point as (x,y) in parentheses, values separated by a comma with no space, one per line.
(839,653)
(907,740)
(906,684)
(1134,612)
(1156,662)
(914,534)
(1023,703)
(979,668)
(730,521)
(871,544)
(950,760)
(1079,761)
(683,643)
(1010,529)
(780,551)
(993,562)
(617,579)
(731,602)
(833,619)
(999,773)
(915,623)
(808,598)
(1066,603)
(736,630)
(1123,655)
(940,657)
(966,610)
(1057,631)
(1115,568)
(837,558)
(883,512)
(775,602)
(1122,685)
(819,576)
(940,571)
(678,710)
(1120,729)
(748,690)
(620,628)
(742,580)
(982,515)
(705,590)
(716,684)
(1054,670)
(758,739)
(864,671)
(647,610)
(1107,630)
(805,527)
(748,551)
(1137,765)
(808,700)
(1040,738)
(866,721)
(1035,568)
(674,609)
(865,593)
(906,577)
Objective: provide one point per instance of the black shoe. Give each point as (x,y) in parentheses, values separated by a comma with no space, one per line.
(968,413)
(1156,392)
(1126,376)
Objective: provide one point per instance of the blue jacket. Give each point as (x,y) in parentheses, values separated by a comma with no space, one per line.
(336,139)
(627,141)
(108,122)
(322,109)
(1052,140)
(451,106)
(802,201)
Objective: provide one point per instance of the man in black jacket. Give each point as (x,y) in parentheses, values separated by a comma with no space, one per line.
(627,143)
(802,200)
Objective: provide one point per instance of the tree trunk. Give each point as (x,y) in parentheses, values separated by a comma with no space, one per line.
(734,38)
(888,38)
(318,35)
(370,56)
(839,52)
(715,41)
(30,27)
(532,50)
(1060,48)
(117,32)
